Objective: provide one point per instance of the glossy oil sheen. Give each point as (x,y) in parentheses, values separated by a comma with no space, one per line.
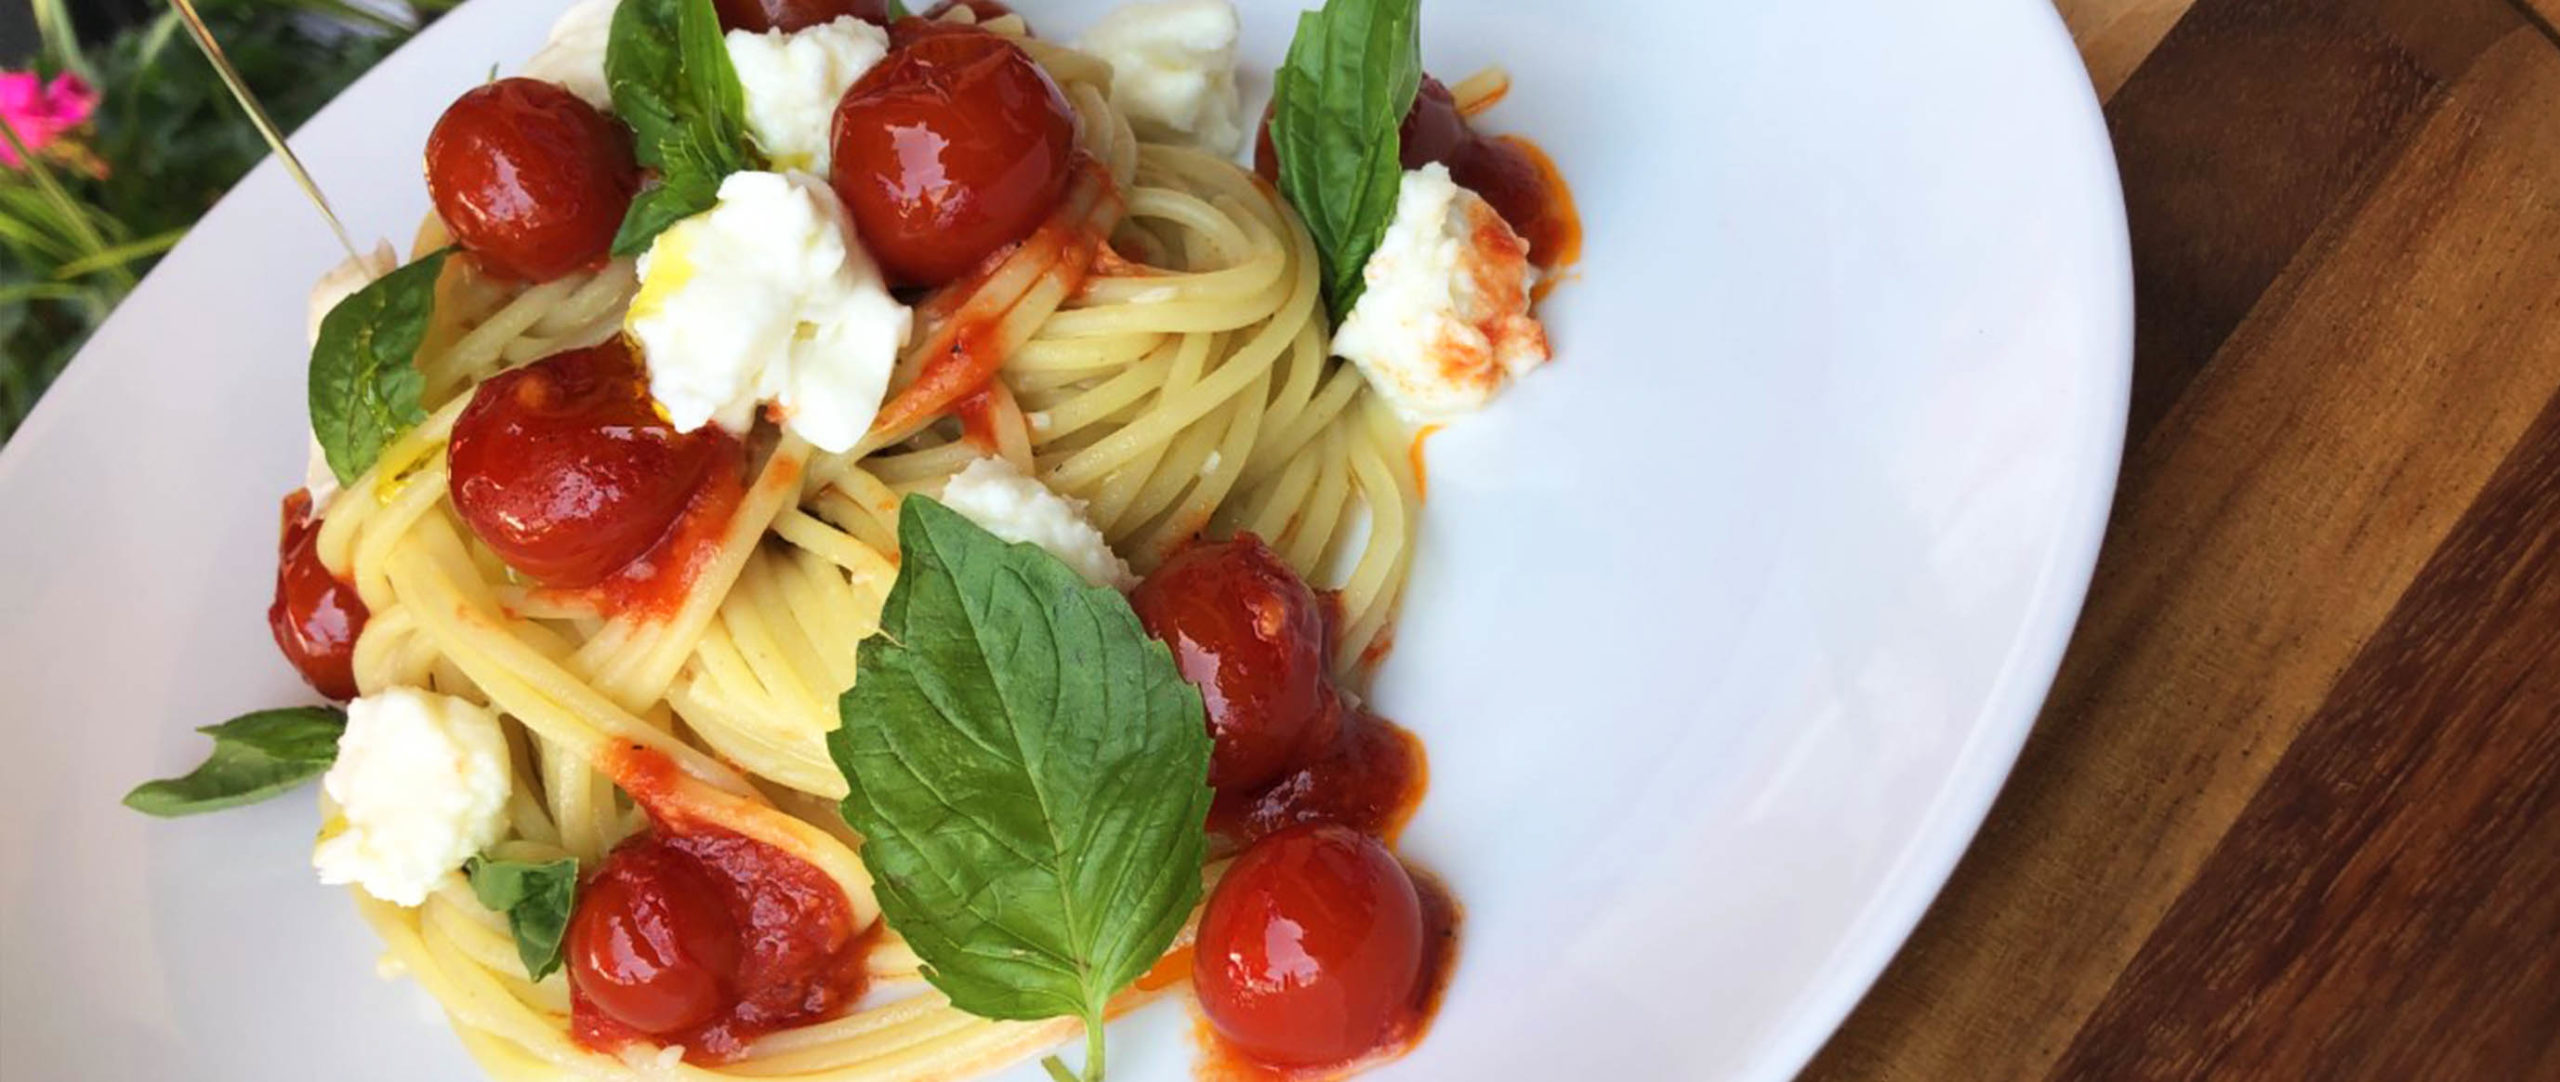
(1724,630)
(1311,950)
(315,617)
(1249,634)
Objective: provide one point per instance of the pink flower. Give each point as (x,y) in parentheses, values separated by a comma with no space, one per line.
(41,112)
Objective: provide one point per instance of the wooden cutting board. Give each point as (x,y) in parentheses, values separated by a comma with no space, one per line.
(2293,811)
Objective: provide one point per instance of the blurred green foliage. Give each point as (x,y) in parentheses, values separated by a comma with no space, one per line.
(87,218)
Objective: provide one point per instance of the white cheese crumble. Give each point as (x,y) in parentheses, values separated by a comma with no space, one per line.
(341,282)
(794,81)
(421,784)
(574,57)
(1173,70)
(767,297)
(1016,507)
(1445,324)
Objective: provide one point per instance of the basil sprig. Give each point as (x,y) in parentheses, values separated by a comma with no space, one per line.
(1029,774)
(1337,105)
(671,78)
(364,381)
(255,756)
(537,898)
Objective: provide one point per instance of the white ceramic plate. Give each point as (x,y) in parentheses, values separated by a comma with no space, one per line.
(1727,629)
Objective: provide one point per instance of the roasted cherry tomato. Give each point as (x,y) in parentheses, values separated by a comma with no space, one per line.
(955,146)
(792,16)
(530,178)
(315,617)
(653,944)
(566,470)
(1247,632)
(1311,951)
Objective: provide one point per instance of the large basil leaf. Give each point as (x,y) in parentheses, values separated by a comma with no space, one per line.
(669,70)
(255,756)
(1029,774)
(537,899)
(1338,102)
(364,382)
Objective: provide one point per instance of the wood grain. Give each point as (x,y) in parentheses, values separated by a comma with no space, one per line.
(2272,823)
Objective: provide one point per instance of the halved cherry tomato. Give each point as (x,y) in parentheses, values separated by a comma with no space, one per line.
(653,944)
(955,146)
(1311,950)
(565,468)
(315,617)
(530,178)
(793,16)
(1248,633)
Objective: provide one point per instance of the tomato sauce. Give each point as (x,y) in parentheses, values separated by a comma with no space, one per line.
(695,936)
(1371,777)
(656,584)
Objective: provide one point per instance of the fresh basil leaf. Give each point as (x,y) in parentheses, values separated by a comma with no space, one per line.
(364,381)
(1029,774)
(668,68)
(1338,102)
(897,11)
(255,756)
(537,899)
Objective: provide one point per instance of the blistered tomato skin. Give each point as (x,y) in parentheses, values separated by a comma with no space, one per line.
(316,618)
(793,16)
(1311,950)
(1247,632)
(564,468)
(955,146)
(531,180)
(652,944)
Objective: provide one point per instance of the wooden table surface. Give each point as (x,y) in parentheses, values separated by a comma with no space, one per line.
(2293,810)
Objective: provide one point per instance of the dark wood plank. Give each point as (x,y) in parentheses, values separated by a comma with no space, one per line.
(2254,122)
(2267,529)
(2389,906)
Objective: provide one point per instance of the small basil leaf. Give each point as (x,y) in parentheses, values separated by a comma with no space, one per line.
(1339,101)
(668,68)
(255,756)
(364,381)
(537,899)
(1029,773)
(897,11)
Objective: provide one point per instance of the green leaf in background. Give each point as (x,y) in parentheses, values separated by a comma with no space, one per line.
(672,81)
(364,374)
(1029,773)
(255,756)
(537,898)
(1338,102)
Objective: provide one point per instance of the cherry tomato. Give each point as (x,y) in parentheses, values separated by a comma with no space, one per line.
(955,146)
(530,178)
(566,470)
(653,944)
(1370,780)
(792,16)
(1311,949)
(315,617)
(1247,632)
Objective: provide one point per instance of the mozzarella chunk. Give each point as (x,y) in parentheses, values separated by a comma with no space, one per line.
(767,297)
(421,784)
(1016,507)
(1173,70)
(1445,324)
(794,81)
(574,57)
(333,288)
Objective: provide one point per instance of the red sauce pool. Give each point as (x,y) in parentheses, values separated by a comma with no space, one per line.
(762,940)
(1441,918)
(1371,778)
